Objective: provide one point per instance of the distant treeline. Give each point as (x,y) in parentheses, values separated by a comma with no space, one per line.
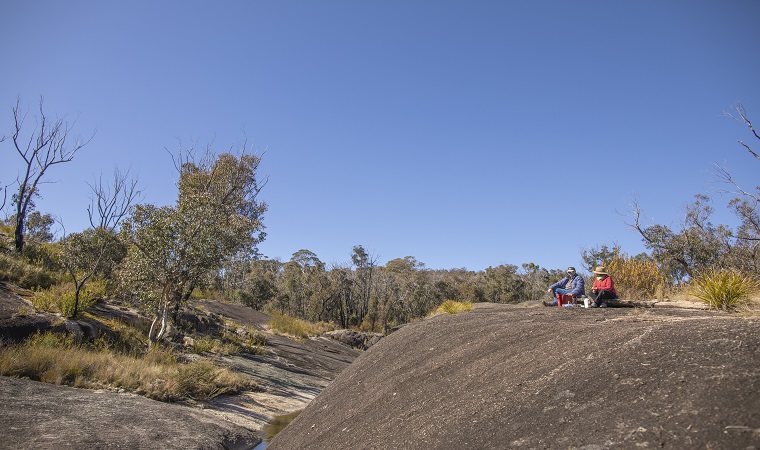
(371,296)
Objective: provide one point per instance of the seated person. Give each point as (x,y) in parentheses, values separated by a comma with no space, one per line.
(603,289)
(571,284)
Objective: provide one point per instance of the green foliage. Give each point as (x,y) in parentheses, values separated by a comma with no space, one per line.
(38,227)
(19,271)
(723,289)
(204,344)
(172,249)
(453,307)
(502,284)
(124,338)
(43,254)
(598,256)
(60,298)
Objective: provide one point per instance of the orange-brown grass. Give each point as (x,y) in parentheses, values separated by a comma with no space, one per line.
(298,328)
(156,374)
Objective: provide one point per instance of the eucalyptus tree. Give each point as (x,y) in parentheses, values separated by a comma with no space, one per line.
(341,282)
(257,285)
(171,248)
(85,254)
(301,281)
(98,250)
(365,268)
(502,284)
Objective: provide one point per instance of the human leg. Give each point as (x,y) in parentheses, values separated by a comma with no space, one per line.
(600,298)
(556,291)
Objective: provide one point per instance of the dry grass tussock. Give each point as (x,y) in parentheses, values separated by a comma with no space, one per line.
(298,328)
(156,374)
(724,289)
(453,307)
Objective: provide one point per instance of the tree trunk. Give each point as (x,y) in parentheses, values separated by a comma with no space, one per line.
(150,332)
(19,233)
(77,289)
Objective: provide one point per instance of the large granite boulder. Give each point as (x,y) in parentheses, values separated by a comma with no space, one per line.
(514,377)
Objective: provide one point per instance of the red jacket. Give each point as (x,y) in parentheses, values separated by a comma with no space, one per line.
(605,285)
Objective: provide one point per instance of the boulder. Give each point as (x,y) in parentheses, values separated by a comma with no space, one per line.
(505,376)
(355,339)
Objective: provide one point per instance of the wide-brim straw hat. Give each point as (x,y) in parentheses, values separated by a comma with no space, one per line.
(600,270)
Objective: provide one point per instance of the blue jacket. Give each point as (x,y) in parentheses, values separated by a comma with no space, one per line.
(578,285)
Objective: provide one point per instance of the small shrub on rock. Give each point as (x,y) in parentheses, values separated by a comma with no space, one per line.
(298,328)
(453,307)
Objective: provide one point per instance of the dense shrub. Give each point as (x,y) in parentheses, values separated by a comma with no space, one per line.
(635,277)
(60,297)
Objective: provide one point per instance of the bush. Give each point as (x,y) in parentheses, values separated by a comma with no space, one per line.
(453,307)
(60,297)
(204,381)
(635,277)
(204,344)
(299,328)
(124,338)
(723,289)
(20,272)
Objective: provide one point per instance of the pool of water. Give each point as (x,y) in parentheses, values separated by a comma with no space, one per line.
(271,430)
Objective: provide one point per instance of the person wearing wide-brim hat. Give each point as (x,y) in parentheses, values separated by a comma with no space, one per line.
(603,288)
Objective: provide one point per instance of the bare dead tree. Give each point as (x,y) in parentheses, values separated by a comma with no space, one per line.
(5,188)
(746,203)
(742,112)
(110,203)
(5,197)
(47,144)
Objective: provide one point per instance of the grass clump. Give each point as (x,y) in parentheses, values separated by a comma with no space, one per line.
(156,374)
(298,328)
(243,339)
(22,273)
(60,298)
(453,307)
(723,289)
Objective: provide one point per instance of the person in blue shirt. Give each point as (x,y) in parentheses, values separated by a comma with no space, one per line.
(571,284)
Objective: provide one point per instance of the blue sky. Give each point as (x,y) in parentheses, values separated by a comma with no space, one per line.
(465,134)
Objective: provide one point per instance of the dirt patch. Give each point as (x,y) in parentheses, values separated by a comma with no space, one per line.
(516,377)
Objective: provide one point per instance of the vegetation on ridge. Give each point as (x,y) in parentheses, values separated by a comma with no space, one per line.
(155,258)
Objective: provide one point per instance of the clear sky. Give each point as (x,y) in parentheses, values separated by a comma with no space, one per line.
(463,133)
